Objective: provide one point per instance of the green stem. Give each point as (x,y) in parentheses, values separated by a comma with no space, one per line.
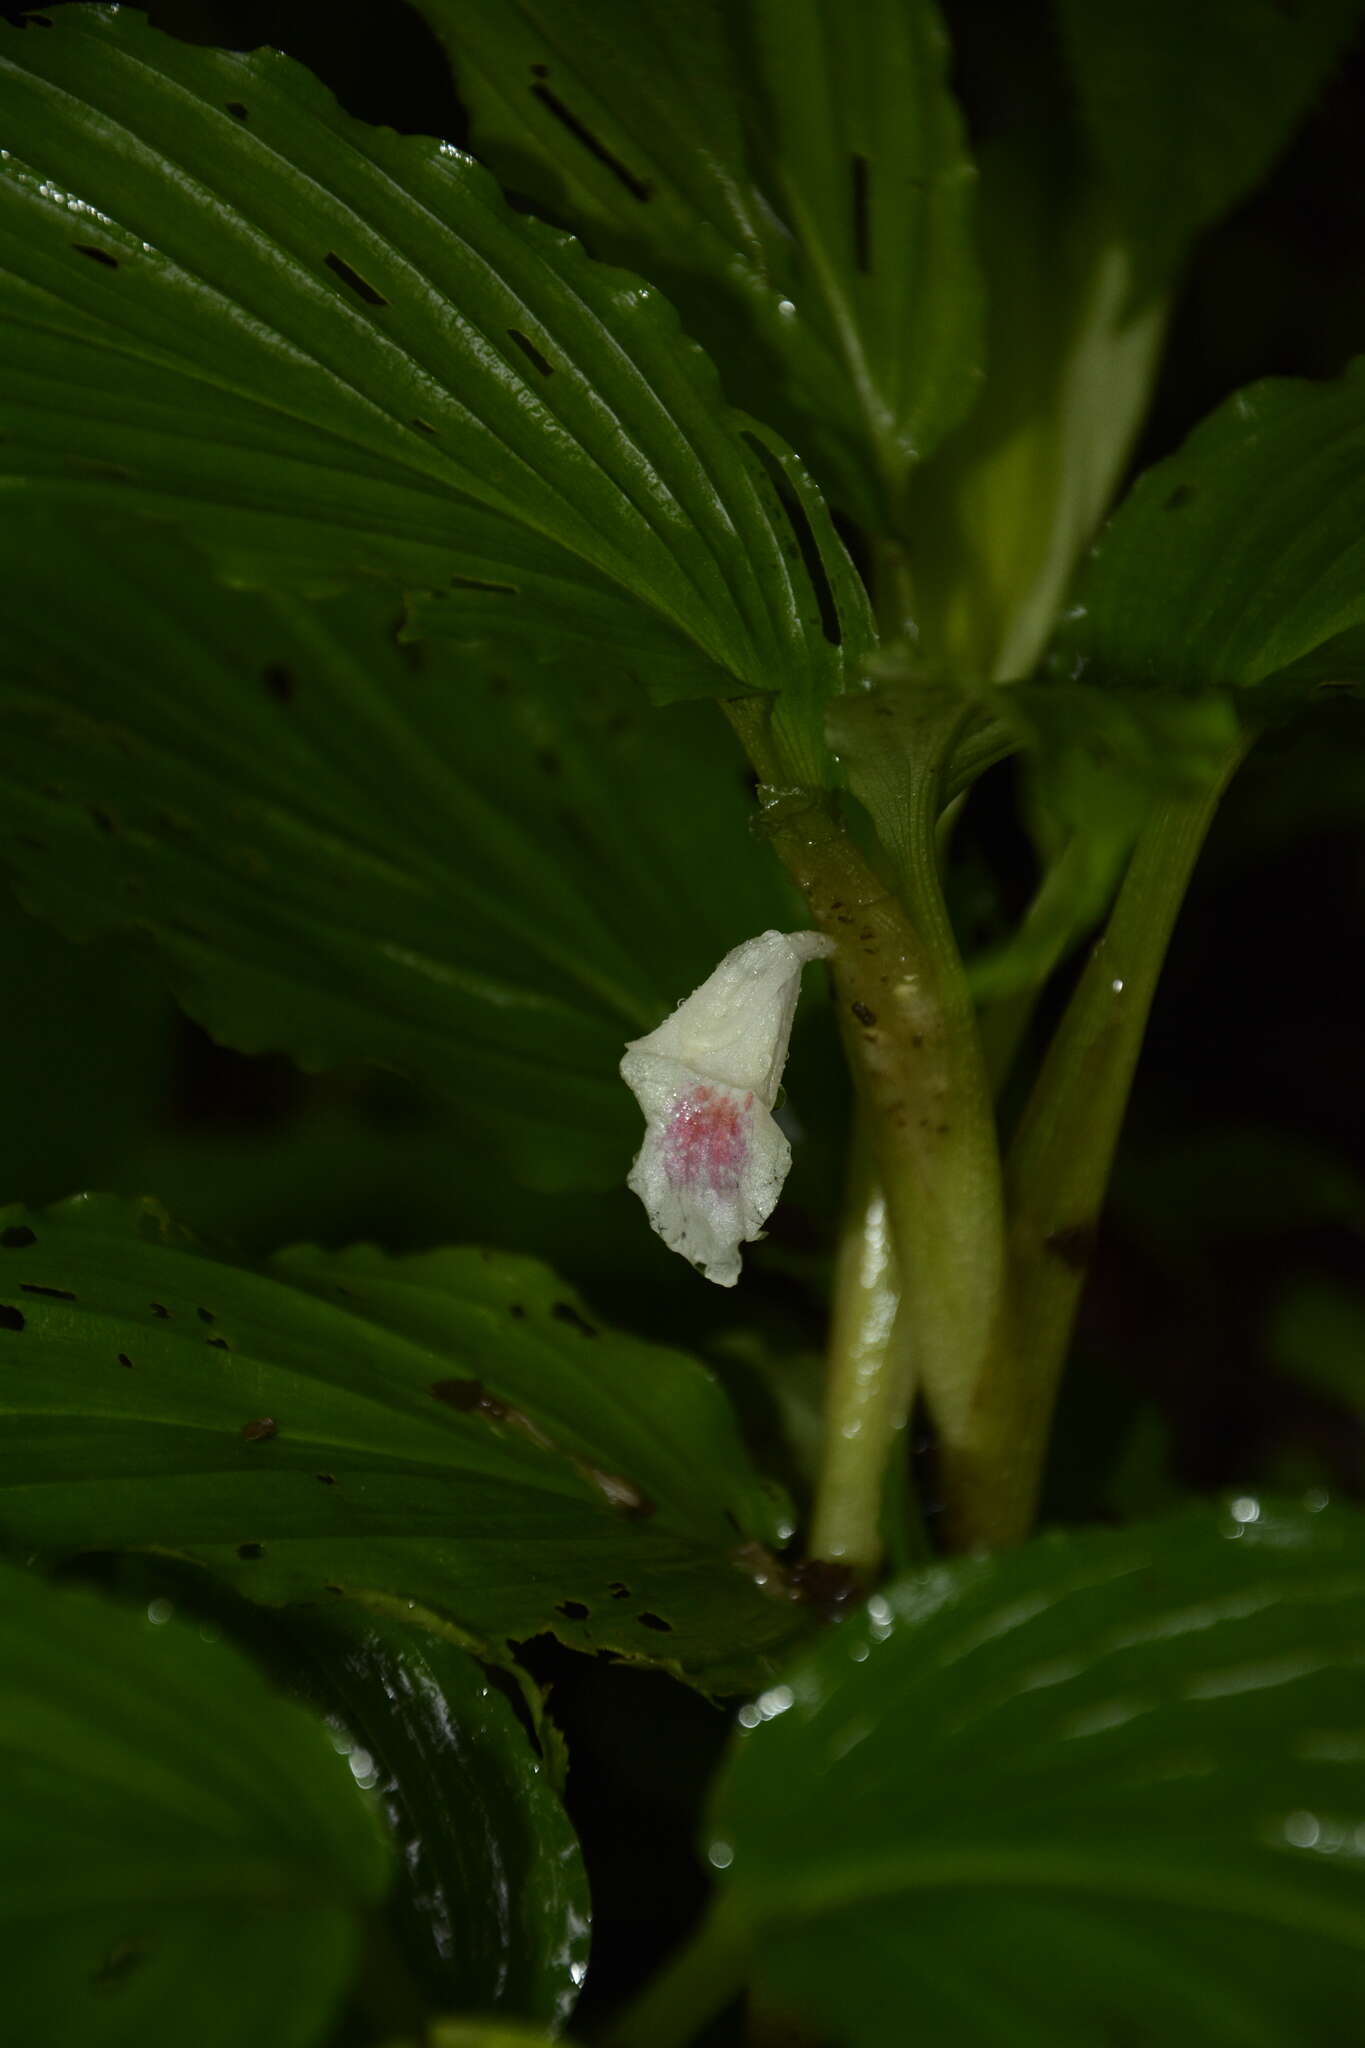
(913,1046)
(869,1386)
(1060,1161)
(707,1972)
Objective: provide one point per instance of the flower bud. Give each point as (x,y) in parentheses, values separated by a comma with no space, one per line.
(713,1161)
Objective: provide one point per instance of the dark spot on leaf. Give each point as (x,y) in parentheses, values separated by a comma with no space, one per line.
(917,1040)
(1181,495)
(619,1590)
(163,1313)
(258,1432)
(565,1312)
(531,352)
(514,1308)
(656,1622)
(279,681)
(250,1550)
(122,1959)
(548,762)
(1074,1246)
(10,1318)
(423,427)
(125,1360)
(359,285)
(219,1343)
(804,535)
(862,240)
(53,1293)
(206,1315)
(329,1588)
(17,1237)
(827,1587)
(471,1397)
(326,1478)
(864,1015)
(237,110)
(96,255)
(573,1610)
(540,71)
(102,819)
(637,187)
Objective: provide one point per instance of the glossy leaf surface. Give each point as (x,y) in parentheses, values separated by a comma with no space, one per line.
(1187,107)
(1242,554)
(325,349)
(450,1428)
(184,1853)
(341,848)
(489,1907)
(1113,1783)
(793,176)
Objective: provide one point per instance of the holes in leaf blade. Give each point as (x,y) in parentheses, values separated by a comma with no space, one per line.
(279,681)
(237,110)
(574,1610)
(862,240)
(638,188)
(565,1312)
(52,1293)
(362,288)
(96,255)
(803,533)
(656,1622)
(531,352)
(11,1318)
(17,1237)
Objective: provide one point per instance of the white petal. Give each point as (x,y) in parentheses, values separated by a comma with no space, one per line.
(713,1161)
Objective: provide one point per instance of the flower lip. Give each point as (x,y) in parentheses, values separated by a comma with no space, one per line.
(713,1160)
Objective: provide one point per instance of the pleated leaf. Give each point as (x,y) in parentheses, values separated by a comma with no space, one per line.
(325,349)
(183,1853)
(450,1428)
(1239,562)
(793,176)
(1111,1787)
(341,848)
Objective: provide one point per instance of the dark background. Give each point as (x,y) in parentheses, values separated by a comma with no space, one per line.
(1222,1342)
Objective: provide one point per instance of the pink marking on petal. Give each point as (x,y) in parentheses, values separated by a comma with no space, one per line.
(707,1140)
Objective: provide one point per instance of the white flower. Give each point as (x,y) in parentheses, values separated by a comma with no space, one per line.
(713,1161)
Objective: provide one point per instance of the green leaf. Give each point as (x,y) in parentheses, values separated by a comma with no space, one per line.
(490,1906)
(184,1855)
(1002,513)
(1186,108)
(794,176)
(449,1428)
(1237,557)
(1096,762)
(328,350)
(342,848)
(1111,1785)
